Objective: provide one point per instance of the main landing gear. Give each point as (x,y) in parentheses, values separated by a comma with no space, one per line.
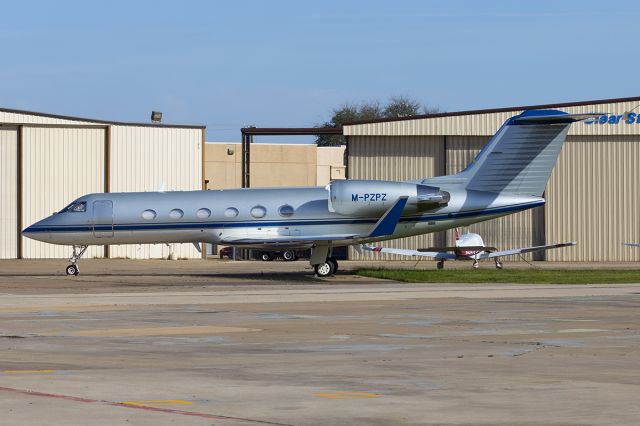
(498,264)
(78,251)
(327,268)
(323,263)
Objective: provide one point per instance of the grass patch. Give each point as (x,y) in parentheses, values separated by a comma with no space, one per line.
(507,276)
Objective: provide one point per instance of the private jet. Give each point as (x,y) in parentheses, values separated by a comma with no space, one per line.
(507,176)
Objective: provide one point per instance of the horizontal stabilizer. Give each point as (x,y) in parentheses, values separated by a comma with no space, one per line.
(553,118)
(632,245)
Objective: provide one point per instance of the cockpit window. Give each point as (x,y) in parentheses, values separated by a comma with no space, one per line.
(78,207)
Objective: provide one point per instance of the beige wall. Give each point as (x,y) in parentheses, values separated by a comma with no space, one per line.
(273,165)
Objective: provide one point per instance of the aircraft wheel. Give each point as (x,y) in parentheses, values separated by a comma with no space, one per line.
(265,256)
(289,255)
(499,265)
(440,264)
(72,270)
(476,265)
(324,269)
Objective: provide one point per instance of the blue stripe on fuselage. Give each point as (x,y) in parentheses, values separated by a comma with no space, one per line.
(255,223)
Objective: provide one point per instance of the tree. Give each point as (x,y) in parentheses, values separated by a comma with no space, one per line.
(397,107)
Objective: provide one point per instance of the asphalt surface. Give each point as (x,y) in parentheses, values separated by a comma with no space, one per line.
(243,343)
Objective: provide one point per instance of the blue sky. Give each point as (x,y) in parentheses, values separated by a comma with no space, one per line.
(289,63)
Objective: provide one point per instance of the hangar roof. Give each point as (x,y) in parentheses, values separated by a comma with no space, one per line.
(494,110)
(95,121)
(485,122)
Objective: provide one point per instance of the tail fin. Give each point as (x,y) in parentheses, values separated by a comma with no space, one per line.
(521,155)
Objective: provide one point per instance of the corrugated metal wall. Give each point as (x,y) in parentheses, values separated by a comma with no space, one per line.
(396,158)
(8,193)
(516,230)
(593,198)
(59,165)
(150,158)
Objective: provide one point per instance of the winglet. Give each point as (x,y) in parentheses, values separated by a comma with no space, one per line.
(386,225)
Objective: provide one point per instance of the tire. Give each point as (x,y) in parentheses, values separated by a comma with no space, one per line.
(499,265)
(476,265)
(72,270)
(440,264)
(324,269)
(289,255)
(265,257)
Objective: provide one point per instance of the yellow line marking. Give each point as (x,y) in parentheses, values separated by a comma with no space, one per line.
(157,402)
(27,371)
(347,395)
(159,331)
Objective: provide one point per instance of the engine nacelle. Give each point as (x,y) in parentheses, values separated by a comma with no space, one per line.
(374,197)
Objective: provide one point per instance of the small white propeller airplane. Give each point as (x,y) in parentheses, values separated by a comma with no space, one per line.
(468,246)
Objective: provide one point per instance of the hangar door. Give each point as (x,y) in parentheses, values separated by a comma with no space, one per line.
(8,193)
(593,198)
(59,165)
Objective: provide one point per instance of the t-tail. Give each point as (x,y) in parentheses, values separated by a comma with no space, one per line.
(521,155)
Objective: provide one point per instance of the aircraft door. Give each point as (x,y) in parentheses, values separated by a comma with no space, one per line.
(103,219)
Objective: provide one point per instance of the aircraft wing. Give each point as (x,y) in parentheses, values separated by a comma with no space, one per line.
(632,245)
(408,252)
(512,252)
(385,226)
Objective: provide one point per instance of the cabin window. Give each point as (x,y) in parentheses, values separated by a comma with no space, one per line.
(231,212)
(203,213)
(258,211)
(286,210)
(149,214)
(176,214)
(79,207)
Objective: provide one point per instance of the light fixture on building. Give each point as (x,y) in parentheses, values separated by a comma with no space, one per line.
(156,116)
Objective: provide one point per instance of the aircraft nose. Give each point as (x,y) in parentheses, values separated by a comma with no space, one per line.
(39,231)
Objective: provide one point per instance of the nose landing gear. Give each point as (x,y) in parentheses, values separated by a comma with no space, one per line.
(78,251)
